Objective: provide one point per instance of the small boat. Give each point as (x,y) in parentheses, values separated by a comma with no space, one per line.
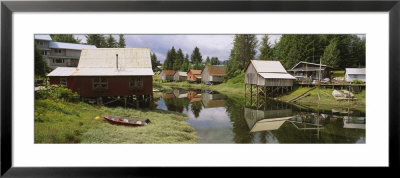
(126,121)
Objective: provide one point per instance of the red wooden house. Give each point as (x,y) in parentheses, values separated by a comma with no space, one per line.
(194,75)
(108,72)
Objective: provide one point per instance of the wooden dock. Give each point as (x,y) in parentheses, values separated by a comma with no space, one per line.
(333,86)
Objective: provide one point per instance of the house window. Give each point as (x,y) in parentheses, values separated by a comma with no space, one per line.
(100,83)
(63,82)
(136,83)
(58,50)
(58,61)
(45,53)
(41,42)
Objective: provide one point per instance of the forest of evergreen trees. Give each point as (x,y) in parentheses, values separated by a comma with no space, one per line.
(336,50)
(339,51)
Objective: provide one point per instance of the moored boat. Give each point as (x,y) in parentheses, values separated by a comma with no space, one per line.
(126,121)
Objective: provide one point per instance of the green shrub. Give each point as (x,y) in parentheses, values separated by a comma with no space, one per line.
(357,82)
(57,92)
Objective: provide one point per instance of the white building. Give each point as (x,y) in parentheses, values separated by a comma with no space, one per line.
(59,54)
(352,74)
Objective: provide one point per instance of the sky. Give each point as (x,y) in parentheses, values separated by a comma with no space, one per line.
(209,45)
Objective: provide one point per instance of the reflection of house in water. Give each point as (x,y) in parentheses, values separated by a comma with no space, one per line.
(264,120)
(193,96)
(168,95)
(307,121)
(179,93)
(211,100)
(350,122)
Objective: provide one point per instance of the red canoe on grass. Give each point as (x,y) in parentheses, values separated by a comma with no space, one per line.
(126,121)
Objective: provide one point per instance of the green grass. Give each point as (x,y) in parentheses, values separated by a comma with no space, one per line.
(326,99)
(338,73)
(234,86)
(64,122)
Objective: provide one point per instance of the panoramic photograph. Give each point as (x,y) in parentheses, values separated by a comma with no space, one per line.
(200,89)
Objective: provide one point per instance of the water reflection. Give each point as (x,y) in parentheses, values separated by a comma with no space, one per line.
(221,119)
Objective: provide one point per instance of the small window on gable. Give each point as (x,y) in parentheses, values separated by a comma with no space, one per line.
(100,83)
(63,82)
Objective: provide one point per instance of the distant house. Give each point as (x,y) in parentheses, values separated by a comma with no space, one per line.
(213,74)
(352,74)
(58,54)
(268,73)
(307,71)
(43,43)
(167,75)
(180,76)
(194,75)
(108,72)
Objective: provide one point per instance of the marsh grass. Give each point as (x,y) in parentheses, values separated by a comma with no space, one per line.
(64,122)
(326,99)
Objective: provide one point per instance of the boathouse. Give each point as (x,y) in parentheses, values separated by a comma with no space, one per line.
(352,74)
(194,75)
(307,71)
(268,73)
(266,79)
(180,76)
(167,75)
(108,72)
(213,74)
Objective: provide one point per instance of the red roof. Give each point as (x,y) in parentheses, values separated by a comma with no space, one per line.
(169,72)
(216,70)
(195,72)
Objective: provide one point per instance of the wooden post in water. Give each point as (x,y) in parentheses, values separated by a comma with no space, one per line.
(251,94)
(257,95)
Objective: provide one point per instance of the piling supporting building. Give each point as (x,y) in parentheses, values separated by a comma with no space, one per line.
(265,79)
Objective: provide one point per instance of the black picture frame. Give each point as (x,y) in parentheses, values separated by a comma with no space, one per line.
(8,7)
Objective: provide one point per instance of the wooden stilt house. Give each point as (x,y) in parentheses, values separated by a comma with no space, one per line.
(108,72)
(267,78)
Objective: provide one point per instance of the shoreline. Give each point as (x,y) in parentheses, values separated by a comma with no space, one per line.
(312,101)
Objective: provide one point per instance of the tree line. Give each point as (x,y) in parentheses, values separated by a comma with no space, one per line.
(176,60)
(100,41)
(337,50)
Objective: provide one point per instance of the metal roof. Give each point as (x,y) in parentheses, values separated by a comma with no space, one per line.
(268,66)
(61,45)
(102,62)
(277,76)
(113,72)
(182,73)
(43,37)
(355,71)
(62,71)
(310,63)
(168,72)
(196,72)
(106,58)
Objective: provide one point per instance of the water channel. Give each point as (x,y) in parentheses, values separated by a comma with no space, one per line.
(218,118)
